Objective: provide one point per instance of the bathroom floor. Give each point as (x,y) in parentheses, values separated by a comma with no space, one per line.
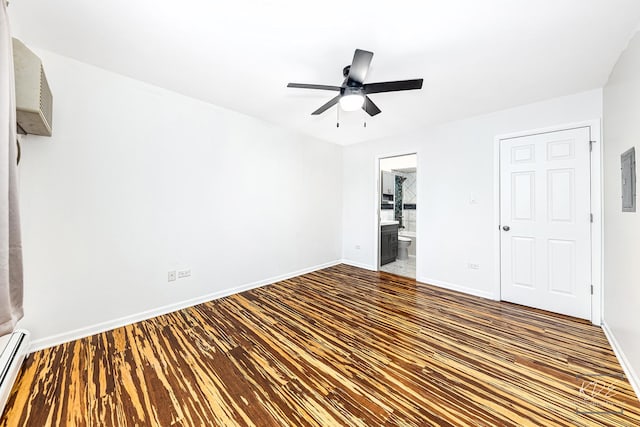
(406,268)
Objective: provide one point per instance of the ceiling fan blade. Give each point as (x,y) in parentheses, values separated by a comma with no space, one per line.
(371,108)
(308,86)
(326,106)
(392,86)
(360,65)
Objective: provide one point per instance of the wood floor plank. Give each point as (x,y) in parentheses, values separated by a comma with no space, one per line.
(340,346)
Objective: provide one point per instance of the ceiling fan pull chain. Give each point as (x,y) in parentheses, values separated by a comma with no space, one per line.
(364,122)
(338,116)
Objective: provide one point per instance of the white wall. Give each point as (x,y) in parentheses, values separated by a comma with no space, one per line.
(455,162)
(622,229)
(138,180)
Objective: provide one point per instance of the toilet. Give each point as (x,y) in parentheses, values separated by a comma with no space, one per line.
(403,247)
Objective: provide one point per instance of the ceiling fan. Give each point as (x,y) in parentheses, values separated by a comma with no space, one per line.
(354,92)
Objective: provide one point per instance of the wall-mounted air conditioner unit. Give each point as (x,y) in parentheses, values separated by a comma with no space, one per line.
(13,349)
(34,101)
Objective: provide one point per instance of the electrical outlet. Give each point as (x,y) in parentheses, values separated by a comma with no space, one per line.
(171,276)
(184,273)
(473,266)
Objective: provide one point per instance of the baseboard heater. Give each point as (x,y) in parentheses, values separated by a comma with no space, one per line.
(13,347)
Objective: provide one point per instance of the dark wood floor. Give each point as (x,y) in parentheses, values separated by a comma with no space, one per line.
(341,346)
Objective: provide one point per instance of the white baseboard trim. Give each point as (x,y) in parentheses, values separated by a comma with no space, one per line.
(75,334)
(632,376)
(458,288)
(359,265)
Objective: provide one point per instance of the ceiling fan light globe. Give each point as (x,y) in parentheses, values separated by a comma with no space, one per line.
(351,102)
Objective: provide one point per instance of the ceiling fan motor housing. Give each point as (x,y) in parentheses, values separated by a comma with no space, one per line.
(351,90)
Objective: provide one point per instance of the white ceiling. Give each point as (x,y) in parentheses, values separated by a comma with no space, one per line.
(475,56)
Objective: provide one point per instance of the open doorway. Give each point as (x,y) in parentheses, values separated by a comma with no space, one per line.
(397,215)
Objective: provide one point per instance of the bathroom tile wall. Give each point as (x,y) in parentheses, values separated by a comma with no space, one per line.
(386,214)
(410,219)
(409,187)
(399,178)
(409,191)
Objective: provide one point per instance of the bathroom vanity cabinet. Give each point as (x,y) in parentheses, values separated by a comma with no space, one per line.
(388,243)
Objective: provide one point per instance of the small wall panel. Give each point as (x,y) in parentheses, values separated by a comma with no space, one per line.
(628,167)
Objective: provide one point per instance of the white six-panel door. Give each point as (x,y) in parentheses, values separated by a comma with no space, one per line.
(545,221)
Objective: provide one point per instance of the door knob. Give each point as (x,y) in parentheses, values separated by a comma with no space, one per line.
(506,228)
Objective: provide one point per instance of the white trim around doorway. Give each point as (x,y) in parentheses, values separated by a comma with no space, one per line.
(376,202)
